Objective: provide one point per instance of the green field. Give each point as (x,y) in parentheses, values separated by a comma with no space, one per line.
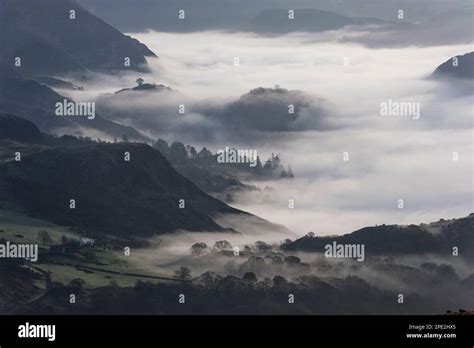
(17,227)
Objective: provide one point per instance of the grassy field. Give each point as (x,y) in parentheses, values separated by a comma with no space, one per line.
(17,227)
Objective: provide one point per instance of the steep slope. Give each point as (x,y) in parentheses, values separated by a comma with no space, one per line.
(36,102)
(139,197)
(49,41)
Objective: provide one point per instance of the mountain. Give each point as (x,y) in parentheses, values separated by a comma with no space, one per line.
(438,237)
(242,15)
(146,87)
(305,19)
(35,102)
(136,198)
(20,135)
(268,110)
(458,67)
(50,42)
(57,83)
(15,128)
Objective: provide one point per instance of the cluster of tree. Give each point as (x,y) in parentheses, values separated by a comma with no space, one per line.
(273,263)
(211,293)
(178,153)
(199,249)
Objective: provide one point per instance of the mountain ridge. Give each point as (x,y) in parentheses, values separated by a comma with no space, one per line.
(396,239)
(50,40)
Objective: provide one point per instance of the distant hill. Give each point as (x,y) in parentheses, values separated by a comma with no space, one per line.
(36,102)
(56,83)
(146,87)
(438,237)
(458,67)
(15,128)
(305,19)
(113,196)
(18,134)
(268,110)
(238,15)
(49,42)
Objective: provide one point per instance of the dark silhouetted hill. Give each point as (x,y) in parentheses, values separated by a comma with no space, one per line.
(438,237)
(49,42)
(35,102)
(135,198)
(15,128)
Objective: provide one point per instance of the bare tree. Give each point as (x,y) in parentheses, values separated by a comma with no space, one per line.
(183,273)
(222,245)
(262,246)
(198,249)
(44,237)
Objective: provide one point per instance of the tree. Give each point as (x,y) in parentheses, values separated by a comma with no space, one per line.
(279,281)
(64,239)
(140,81)
(222,245)
(183,273)
(205,153)
(292,260)
(192,153)
(162,146)
(249,277)
(210,280)
(178,153)
(125,138)
(44,237)
(262,246)
(277,260)
(77,284)
(198,249)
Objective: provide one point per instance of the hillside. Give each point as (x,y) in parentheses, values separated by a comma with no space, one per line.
(49,41)
(113,196)
(36,102)
(438,237)
(15,128)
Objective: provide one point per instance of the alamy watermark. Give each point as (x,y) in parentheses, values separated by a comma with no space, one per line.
(70,108)
(231,155)
(400,108)
(22,251)
(28,330)
(351,251)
